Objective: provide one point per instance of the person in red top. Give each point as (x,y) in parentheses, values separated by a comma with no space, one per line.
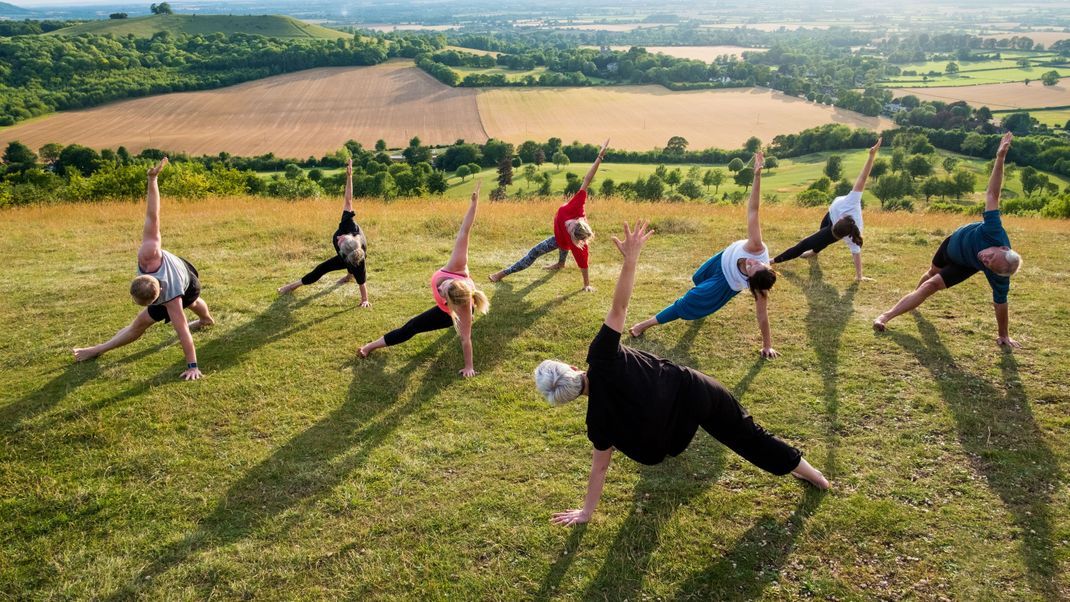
(571,233)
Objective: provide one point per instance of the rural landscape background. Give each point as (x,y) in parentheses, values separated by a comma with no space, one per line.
(295,470)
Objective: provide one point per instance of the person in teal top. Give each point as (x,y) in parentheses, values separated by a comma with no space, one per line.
(978,247)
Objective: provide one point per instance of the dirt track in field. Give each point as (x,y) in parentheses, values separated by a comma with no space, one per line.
(295,115)
(999,96)
(644,117)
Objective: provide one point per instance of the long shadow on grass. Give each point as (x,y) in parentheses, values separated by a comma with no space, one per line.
(316,461)
(997,430)
(661,490)
(69,378)
(826,318)
(756,558)
(225,350)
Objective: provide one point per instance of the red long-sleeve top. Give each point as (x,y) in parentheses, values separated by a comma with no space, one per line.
(573,209)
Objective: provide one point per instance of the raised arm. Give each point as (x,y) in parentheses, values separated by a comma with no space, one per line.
(459,258)
(464,331)
(754,225)
(150,235)
(594,166)
(348,203)
(995,182)
(860,183)
(630,248)
(599,466)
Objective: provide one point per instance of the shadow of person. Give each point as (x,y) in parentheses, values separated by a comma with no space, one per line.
(755,559)
(997,430)
(48,395)
(552,580)
(317,460)
(828,313)
(225,350)
(661,490)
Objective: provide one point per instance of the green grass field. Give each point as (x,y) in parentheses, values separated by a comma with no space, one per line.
(274,26)
(994,71)
(293,470)
(1049,117)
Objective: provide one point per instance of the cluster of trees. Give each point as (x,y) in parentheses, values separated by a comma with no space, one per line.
(31,27)
(39,74)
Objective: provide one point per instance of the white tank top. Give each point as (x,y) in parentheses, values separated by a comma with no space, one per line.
(849,204)
(173,276)
(730,263)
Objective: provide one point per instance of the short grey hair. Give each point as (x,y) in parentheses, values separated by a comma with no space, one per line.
(1014,262)
(558,382)
(351,248)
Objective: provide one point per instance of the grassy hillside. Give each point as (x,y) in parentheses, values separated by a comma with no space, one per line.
(296,471)
(275,26)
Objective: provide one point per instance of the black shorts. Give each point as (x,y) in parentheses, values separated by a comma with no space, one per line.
(951,272)
(158,313)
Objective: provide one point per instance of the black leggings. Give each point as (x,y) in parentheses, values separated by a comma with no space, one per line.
(816,242)
(722,417)
(432,319)
(333,265)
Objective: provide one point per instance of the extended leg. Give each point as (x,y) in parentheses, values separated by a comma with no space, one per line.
(815,243)
(331,265)
(662,317)
(124,337)
(928,287)
(525,262)
(432,319)
(204,318)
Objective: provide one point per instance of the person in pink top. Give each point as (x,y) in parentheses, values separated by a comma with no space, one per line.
(456,300)
(571,233)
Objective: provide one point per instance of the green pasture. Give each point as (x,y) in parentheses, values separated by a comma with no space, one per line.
(1050,117)
(275,26)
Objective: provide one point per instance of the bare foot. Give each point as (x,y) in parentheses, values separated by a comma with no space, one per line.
(808,254)
(636,332)
(817,480)
(880,324)
(554,266)
(289,288)
(196,325)
(82,354)
(495,277)
(363,351)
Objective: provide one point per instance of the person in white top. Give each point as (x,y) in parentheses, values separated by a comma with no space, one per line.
(743,264)
(166,285)
(843,221)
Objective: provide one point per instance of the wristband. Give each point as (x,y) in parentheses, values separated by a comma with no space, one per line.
(191,365)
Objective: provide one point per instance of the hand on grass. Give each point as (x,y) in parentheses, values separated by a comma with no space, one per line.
(468,372)
(587,288)
(769,353)
(365,303)
(192,374)
(570,517)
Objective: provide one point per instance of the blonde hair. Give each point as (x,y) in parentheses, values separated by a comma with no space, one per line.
(144,289)
(580,231)
(1014,262)
(558,382)
(461,292)
(351,248)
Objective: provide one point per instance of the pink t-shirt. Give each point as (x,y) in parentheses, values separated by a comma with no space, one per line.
(436,279)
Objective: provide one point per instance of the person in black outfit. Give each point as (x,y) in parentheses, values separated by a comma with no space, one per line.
(648,407)
(350,248)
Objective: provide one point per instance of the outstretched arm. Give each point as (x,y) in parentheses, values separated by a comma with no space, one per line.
(630,248)
(459,258)
(860,183)
(995,182)
(761,307)
(178,321)
(599,466)
(464,330)
(594,166)
(754,226)
(348,203)
(150,235)
(1003,338)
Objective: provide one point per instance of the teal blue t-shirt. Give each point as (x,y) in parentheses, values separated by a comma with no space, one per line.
(969,240)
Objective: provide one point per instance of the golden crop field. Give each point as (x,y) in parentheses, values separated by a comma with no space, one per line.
(643,117)
(699,53)
(295,115)
(998,96)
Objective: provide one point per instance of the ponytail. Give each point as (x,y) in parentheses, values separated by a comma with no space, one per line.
(846,227)
(462,292)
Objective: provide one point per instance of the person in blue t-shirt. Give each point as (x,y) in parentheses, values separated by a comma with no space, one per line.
(979,247)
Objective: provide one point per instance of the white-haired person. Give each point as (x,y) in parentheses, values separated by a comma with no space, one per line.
(743,264)
(166,285)
(456,300)
(648,407)
(843,221)
(571,233)
(350,246)
(978,247)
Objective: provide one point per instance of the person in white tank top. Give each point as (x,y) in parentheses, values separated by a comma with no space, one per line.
(165,286)
(743,264)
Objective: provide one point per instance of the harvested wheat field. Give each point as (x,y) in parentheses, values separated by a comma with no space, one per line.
(295,115)
(643,117)
(698,53)
(998,96)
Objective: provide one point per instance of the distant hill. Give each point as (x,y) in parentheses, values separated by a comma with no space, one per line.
(10,10)
(275,26)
